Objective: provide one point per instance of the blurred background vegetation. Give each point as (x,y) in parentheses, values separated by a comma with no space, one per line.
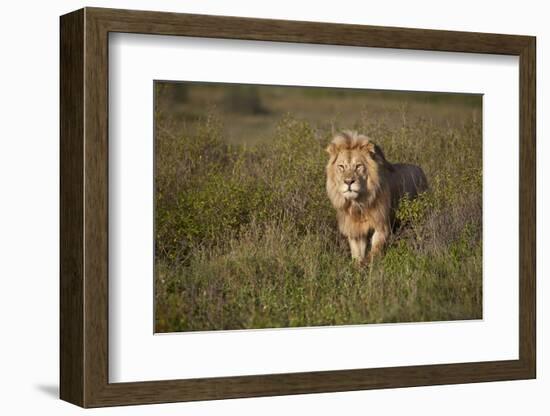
(246,237)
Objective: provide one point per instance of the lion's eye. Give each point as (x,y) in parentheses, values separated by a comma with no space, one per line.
(360,166)
(341,167)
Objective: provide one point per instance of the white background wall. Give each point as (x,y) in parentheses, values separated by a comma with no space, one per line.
(29,206)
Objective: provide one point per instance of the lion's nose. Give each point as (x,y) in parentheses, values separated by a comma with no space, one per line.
(348,182)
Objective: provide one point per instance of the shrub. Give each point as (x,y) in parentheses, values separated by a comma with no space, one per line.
(246,237)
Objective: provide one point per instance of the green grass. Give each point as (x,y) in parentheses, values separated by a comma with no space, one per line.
(246,237)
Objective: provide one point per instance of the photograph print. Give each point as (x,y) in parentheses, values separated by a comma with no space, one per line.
(287,206)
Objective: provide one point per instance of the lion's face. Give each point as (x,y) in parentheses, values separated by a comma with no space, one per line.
(355,170)
(351,173)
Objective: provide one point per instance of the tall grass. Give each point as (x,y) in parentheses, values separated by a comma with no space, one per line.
(246,237)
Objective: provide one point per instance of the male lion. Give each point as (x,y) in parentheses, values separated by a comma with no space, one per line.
(365,190)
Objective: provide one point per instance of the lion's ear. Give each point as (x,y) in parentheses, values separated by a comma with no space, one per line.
(368,146)
(332,149)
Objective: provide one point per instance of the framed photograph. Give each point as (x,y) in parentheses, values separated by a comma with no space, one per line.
(254,207)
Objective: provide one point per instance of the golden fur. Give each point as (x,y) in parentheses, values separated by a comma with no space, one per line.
(365,190)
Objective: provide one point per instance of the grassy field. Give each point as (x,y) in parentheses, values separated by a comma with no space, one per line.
(245,234)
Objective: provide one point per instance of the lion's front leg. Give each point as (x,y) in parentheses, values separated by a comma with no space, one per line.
(358,246)
(379,239)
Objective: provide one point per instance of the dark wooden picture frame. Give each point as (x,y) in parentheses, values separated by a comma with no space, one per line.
(84,207)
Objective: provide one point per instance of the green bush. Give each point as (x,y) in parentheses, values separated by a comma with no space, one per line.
(246,237)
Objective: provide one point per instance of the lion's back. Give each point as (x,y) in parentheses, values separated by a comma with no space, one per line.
(408,179)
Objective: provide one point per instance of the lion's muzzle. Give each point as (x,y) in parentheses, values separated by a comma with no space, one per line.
(350,188)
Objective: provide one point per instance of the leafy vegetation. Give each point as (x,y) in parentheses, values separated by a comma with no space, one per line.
(246,237)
